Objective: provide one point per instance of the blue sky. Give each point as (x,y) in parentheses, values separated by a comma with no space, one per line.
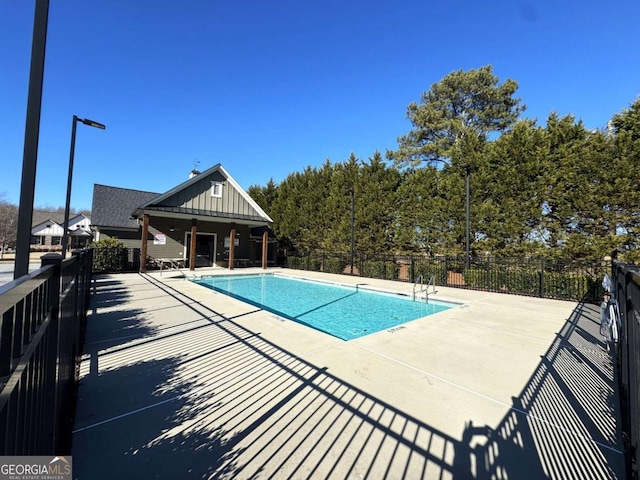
(269,87)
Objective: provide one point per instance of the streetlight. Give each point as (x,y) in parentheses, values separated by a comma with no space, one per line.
(352,193)
(31,136)
(467,168)
(352,222)
(91,123)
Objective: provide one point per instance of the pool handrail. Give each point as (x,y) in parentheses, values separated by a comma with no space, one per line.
(423,289)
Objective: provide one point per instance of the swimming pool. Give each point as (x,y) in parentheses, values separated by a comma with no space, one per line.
(345,312)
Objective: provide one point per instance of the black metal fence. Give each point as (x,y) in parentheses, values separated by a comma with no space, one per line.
(626,285)
(41,337)
(133,259)
(562,279)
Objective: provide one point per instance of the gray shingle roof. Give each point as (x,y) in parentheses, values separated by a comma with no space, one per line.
(41,216)
(113,206)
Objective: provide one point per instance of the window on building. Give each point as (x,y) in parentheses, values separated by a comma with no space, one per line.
(216,189)
(56,240)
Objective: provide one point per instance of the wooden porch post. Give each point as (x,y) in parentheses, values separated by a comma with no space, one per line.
(232,246)
(265,245)
(192,251)
(143,245)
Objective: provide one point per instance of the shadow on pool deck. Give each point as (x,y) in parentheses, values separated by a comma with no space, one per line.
(206,398)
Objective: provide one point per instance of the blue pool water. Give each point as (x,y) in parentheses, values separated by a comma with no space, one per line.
(342,311)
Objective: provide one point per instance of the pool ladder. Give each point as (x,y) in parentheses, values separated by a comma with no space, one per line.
(174,266)
(420,281)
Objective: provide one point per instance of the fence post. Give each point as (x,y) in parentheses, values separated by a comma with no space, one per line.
(88,278)
(51,372)
(412,271)
(541,284)
(631,309)
(446,270)
(77,258)
(384,266)
(488,273)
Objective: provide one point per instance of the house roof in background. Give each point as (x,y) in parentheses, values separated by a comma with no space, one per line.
(112,206)
(42,216)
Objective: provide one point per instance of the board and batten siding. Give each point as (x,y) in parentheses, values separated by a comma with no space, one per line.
(129,238)
(173,246)
(198,197)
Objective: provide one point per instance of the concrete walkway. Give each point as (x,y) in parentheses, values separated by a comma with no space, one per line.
(179,382)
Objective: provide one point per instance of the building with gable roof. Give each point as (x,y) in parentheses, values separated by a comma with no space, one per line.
(208,220)
(47,229)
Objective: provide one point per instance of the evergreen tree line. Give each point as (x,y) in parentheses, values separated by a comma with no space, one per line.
(558,190)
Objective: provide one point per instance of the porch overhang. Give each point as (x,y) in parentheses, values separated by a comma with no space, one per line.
(200,215)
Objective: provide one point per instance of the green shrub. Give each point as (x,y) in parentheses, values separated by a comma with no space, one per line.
(428,270)
(527,282)
(311,263)
(386,270)
(630,256)
(518,280)
(315,264)
(562,280)
(293,262)
(476,277)
(335,264)
(567,285)
(109,255)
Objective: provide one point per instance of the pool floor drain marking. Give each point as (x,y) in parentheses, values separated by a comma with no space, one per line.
(395,329)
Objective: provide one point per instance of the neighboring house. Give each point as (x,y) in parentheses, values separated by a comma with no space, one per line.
(205,221)
(48,227)
(79,231)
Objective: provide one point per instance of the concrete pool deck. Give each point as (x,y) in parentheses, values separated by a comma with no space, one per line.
(178,381)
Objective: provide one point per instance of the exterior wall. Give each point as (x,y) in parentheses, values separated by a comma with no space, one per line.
(173,246)
(242,250)
(46,241)
(198,197)
(79,221)
(47,234)
(129,238)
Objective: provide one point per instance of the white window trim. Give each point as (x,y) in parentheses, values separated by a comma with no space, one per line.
(216,187)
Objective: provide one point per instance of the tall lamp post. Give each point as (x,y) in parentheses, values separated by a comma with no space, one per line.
(467,168)
(352,193)
(31,136)
(91,123)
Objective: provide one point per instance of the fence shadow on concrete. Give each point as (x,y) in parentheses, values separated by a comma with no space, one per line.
(566,421)
(211,399)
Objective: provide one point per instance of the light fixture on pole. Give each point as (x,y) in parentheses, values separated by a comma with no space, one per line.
(91,123)
(352,193)
(467,168)
(31,137)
